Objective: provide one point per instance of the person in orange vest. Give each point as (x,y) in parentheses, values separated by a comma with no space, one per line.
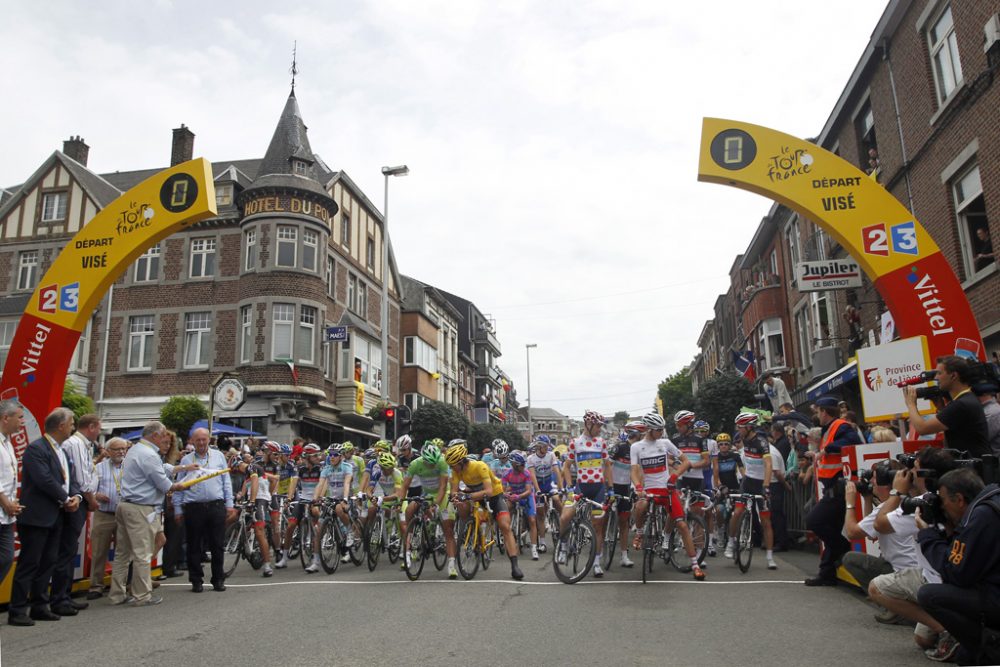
(826,519)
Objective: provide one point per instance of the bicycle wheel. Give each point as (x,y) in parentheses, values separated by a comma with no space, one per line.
(487,543)
(251,547)
(296,546)
(329,551)
(393,540)
(416,553)
(611,529)
(373,545)
(233,548)
(581,549)
(355,542)
(440,549)
(699,536)
(516,522)
(468,558)
(552,523)
(306,541)
(744,542)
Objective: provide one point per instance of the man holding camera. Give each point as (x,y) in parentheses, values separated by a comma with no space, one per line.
(897,592)
(962,420)
(967,554)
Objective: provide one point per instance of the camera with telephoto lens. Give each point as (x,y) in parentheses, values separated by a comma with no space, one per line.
(881,473)
(983,377)
(929,504)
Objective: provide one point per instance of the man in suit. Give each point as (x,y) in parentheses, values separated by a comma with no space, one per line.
(47,491)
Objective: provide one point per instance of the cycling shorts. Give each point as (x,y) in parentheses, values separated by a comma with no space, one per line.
(274,504)
(624,493)
(498,504)
(668,498)
(529,505)
(756,487)
(415,492)
(261,510)
(545,484)
(298,511)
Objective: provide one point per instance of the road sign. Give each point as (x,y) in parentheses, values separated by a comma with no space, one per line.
(230,394)
(335,334)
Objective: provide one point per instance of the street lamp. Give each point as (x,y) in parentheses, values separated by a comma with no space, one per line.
(531,425)
(401,170)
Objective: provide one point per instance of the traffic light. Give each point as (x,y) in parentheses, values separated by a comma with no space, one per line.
(389,417)
(403,419)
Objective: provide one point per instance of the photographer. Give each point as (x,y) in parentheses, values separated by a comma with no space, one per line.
(897,591)
(968,558)
(899,551)
(962,420)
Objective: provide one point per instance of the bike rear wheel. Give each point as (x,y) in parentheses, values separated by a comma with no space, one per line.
(699,537)
(306,540)
(611,533)
(232,548)
(487,543)
(373,545)
(393,540)
(329,547)
(440,549)
(296,546)
(356,550)
(416,553)
(251,547)
(581,549)
(468,558)
(744,541)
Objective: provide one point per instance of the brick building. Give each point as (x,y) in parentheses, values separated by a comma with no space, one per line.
(429,331)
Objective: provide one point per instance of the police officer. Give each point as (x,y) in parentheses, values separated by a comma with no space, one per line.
(826,519)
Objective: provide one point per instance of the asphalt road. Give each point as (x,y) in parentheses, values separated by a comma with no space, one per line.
(356,617)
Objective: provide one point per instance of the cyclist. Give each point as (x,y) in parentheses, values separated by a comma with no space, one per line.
(542,463)
(701,429)
(727,466)
(653,481)
(621,481)
(404,452)
(500,465)
(588,455)
(386,479)
(757,460)
(521,486)
(260,500)
(303,486)
(358,463)
(430,473)
(270,471)
(481,485)
(336,481)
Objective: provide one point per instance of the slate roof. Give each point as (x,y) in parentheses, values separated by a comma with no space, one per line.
(97,187)
(290,141)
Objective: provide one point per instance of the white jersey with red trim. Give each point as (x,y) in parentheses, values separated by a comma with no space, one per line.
(654,456)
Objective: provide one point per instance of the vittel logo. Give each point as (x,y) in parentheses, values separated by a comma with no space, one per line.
(31,358)
(927,292)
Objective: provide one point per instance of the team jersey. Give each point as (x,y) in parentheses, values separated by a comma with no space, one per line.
(308,477)
(589,455)
(335,476)
(406,461)
(729,464)
(474,477)
(621,463)
(501,467)
(754,453)
(263,486)
(713,451)
(285,472)
(388,483)
(542,465)
(696,449)
(653,457)
(426,476)
(515,482)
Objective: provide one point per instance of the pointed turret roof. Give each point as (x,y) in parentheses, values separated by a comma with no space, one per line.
(289,144)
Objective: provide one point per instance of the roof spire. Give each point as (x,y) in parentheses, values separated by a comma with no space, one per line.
(294,69)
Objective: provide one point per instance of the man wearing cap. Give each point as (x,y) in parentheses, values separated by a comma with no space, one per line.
(826,519)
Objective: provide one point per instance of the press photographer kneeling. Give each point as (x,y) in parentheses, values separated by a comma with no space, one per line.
(967,555)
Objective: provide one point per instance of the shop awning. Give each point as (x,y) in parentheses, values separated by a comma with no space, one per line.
(829,383)
(217,429)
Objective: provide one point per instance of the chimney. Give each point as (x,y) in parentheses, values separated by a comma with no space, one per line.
(182,149)
(75,148)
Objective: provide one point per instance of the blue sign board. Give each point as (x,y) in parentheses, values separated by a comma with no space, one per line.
(335,334)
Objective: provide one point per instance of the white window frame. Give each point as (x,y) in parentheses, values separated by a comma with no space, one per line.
(964,196)
(331,273)
(792,238)
(203,255)
(250,263)
(197,331)
(369,353)
(945,63)
(7,329)
(310,248)
(299,167)
(771,328)
(345,229)
(818,303)
(286,313)
(305,342)
(27,269)
(224,194)
(246,334)
(54,206)
(417,352)
(147,267)
(803,331)
(142,330)
(80,362)
(287,236)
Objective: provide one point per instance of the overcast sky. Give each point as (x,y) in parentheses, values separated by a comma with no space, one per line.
(553,146)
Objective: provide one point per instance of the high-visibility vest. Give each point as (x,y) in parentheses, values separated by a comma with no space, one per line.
(830,465)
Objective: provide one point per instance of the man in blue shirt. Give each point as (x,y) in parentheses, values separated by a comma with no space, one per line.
(206,506)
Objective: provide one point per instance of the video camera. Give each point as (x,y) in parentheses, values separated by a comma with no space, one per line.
(987,467)
(984,377)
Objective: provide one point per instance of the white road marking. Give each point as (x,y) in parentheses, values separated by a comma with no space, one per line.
(376,582)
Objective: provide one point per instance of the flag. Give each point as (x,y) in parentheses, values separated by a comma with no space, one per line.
(295,372)
(744,364)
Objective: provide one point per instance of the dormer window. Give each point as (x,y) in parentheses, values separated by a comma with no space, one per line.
(299,167)
(223,195)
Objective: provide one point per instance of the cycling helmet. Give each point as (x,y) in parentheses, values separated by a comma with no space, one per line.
(457,451)
(517,458)
(386,460)
(701,426)
(369,454)
(636,426)
(335,450)
(654,421)
(403,442)
(591,417)
(286,450)
(311,448)
(431,454)
(473,457)
(457,441)
(500,448)
(437,442)
(347,447)
(684,418)
(624,437)
(383,446)
(272,447)
(723,438)
(746,419)
(543,440)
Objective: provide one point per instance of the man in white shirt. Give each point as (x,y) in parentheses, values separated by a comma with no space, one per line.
(11,421)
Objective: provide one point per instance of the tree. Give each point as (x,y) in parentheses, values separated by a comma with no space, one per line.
(481,436)
(675,392)
(181,412)
(509,434)
(620,418)
(720,399)
(435,419)
(76,400)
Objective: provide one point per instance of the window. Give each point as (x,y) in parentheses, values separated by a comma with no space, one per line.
(792,240)
(771,344)
(419,353)
(414,401)
(7,330)
(27,270)
(370,253)
(944,55)
(973,226)
(326,357)
(202,258)
(864,125)
(287,240)
(331,272)
(197,327)
(804,332)
(345,363)
(299,167)
(81,355)
(54,206)
(357,295)
(774,263)
(147,267)
(310,248)
(369,354)
(345,229)
(223,195)
(822,320)
(140,343)
(281,332)
(251,243)
(306,342)
(246,334)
